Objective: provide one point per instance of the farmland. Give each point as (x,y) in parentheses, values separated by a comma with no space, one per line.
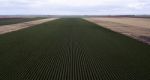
(72,49)
(14,27)
(134,27)
(6,21)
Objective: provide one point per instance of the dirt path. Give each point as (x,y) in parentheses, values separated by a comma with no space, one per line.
(14,27)
(135,28)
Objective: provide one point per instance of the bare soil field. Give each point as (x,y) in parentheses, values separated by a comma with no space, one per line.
(138,22)
(8,21)
(137,28)
(14,27)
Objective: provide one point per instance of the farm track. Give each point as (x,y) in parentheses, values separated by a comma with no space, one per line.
(72,49)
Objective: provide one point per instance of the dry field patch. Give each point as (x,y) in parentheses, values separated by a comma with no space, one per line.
(138,22)
(137,28)
(14,27)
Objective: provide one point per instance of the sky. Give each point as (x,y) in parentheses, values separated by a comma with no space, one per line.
(74,7)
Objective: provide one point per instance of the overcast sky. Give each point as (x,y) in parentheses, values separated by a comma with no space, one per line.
(74,7)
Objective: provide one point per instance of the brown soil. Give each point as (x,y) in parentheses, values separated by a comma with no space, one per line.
(136,28)
(14,27)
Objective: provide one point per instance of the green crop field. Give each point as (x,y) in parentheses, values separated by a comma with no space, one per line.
(72,49)
(6,21)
